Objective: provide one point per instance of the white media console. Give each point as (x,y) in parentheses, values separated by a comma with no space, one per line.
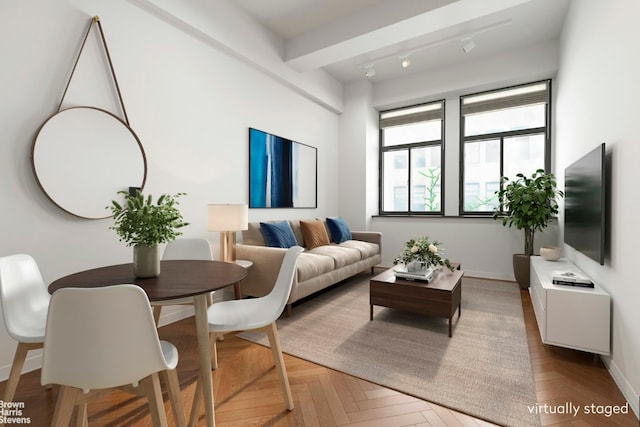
(569,316)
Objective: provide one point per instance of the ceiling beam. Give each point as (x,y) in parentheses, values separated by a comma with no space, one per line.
(353,35)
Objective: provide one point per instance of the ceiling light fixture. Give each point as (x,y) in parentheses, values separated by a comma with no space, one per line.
(405,61)
(369,71)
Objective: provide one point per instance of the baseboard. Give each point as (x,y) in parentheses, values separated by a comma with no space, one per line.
(490,276)
(32,362)
(632,396)
(174,313)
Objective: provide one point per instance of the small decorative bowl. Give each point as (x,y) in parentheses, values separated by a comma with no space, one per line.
(550,253)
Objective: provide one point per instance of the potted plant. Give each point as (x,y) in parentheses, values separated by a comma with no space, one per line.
(529,204)
(144,224)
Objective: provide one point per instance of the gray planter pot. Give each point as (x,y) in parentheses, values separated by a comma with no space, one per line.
(521,269)
(146,261)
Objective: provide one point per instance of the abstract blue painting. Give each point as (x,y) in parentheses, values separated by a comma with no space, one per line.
(282,172)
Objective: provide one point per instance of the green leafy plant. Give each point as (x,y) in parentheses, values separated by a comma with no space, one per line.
(433,180)
(528,203)
(423,251)
(140,221)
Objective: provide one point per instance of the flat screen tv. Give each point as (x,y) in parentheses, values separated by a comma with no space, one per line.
(282,172)
(585,204)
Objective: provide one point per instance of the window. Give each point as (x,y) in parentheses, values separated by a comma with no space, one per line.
(504,132)
(411,158)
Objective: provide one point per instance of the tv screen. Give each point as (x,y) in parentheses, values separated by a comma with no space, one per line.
(282,172)
(584,209)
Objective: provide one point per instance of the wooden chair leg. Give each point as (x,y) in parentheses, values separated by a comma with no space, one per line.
(151,388)
(288,311)
(213,338)
(82,418)
(156,313)
(276,350)
(173,390)
(195,408)
(64,406)
(16,370)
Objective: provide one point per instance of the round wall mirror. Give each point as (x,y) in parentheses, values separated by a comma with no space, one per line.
(83,156)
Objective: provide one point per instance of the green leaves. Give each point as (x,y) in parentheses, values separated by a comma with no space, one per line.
(142,222)
(528,203)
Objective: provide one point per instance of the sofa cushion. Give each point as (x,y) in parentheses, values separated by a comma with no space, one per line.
(253,235)
(314,233)
(278,234)
(295,226)
(338,229)
(312,265)
(341,255)
(366,249)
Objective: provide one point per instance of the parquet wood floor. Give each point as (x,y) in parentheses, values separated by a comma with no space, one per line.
(247,392)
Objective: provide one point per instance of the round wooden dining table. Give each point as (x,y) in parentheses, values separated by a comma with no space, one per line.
(177,279)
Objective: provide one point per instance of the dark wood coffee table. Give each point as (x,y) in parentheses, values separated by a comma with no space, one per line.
(441,297)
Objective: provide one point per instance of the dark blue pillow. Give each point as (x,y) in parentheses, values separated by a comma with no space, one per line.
(278,234)
(339,230)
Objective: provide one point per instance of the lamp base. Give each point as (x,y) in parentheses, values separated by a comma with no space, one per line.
(228,246)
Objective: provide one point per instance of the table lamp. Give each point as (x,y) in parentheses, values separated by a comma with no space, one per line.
(227,219)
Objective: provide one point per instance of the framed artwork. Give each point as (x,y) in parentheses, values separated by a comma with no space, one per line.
(282,173)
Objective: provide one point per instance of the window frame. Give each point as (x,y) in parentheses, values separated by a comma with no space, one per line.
(408,147)
(501,136)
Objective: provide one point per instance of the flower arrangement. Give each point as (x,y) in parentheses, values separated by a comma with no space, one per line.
(424,252)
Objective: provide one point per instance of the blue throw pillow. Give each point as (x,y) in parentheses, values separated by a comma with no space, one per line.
(339,230)
(278,234)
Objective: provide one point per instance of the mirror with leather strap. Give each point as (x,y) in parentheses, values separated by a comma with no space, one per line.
(82,156)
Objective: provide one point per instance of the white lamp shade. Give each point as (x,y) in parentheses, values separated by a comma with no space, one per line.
(228,217)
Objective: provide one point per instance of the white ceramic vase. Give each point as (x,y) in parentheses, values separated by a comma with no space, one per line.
(550,253)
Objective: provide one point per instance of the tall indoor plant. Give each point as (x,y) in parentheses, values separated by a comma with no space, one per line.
(144,224)
(529,204)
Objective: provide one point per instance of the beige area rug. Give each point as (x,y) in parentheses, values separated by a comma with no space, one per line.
(484,370)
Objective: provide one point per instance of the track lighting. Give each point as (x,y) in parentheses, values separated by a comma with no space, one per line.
(369,71)
(465,39)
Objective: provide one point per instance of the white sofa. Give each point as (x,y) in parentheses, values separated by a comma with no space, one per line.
(318,268)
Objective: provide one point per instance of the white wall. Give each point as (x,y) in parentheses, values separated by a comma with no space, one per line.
(189,100)
(597,93)
(357,165)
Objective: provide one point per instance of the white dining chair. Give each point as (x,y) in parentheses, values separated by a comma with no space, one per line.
(183,249)
(102,338)
(24,300)
(257,314)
